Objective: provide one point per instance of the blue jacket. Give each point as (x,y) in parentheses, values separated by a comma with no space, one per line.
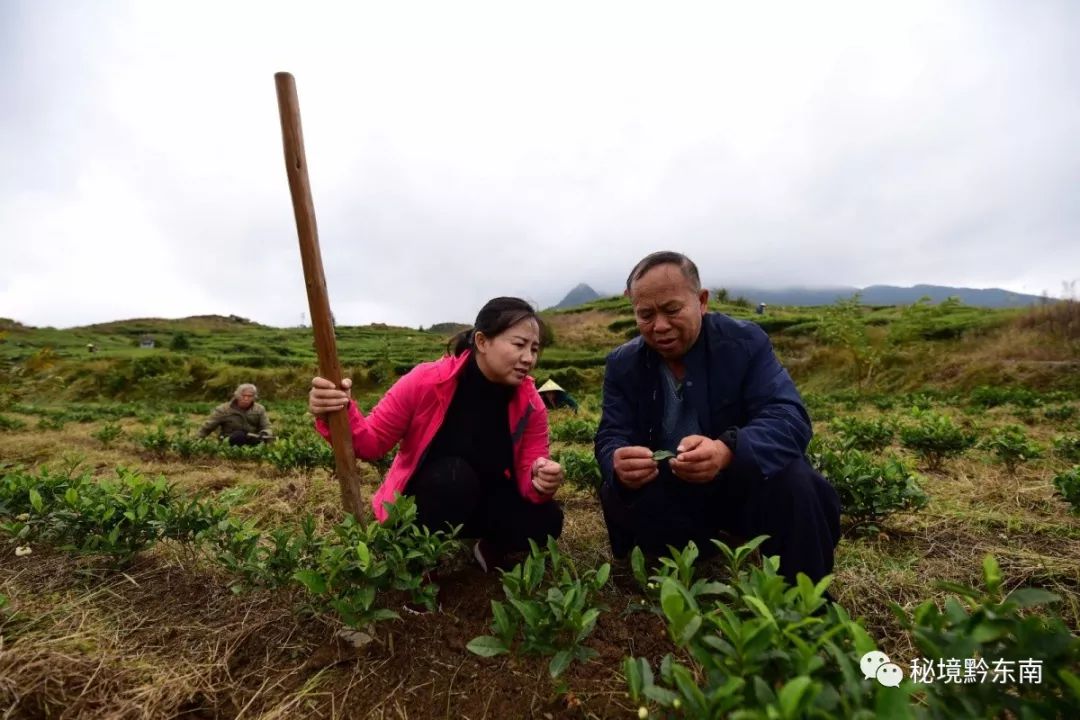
(733,380)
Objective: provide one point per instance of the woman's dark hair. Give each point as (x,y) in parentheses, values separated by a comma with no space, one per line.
(495,317)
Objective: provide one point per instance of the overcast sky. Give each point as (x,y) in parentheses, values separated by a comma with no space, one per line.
(460,151)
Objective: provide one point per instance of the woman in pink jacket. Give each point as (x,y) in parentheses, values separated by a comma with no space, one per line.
(472,434)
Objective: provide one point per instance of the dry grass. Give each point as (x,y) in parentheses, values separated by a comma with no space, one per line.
(1060,319)
(586,329)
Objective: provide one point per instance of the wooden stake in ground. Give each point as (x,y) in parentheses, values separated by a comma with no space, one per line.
(318,300)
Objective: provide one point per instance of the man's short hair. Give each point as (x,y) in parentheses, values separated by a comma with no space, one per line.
(666,257)
(245,387)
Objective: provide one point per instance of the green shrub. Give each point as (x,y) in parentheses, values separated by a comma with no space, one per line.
(758,648)
(111,517)
(996,628)
(552,608)
(935,437)
(1067,484)
(299,452)
(884,402)
(33,496)
(265,559)
(919,401)
(10,423)
(1067,447)
(869,489)
(574,430)
(107,434)
(51,423)
(156,441)
(180,341)
(580,467)
(1011,445)
(1060,413)
(996,395)
(360,561)
(864,434)
(680,566)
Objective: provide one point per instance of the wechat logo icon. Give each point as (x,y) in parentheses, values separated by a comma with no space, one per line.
(876,664)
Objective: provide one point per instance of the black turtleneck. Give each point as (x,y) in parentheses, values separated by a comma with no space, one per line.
(477,425)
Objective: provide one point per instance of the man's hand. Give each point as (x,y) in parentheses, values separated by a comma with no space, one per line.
(634,466)
(325,397)
(547,476)
(700,459)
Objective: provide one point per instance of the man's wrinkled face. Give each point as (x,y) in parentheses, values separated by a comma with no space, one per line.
(668,310)
(245,400)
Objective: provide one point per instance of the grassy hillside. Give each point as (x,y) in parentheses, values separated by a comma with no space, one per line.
(870,348)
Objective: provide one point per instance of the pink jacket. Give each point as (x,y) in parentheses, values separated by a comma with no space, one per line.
(412,411)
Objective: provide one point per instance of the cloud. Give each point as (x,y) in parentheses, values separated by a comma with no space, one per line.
(463,151)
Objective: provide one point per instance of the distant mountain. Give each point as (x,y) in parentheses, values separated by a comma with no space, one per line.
(448,328)
(885,295)
(578,296)
(195,323)
(980,297)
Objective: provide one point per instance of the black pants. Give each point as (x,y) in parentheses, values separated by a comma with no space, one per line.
(240,437)
(449,492)
(798,509)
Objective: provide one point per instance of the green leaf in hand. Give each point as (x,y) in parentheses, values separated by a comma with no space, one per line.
(662,455)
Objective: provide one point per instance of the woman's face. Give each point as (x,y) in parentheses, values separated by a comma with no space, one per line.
(509,356)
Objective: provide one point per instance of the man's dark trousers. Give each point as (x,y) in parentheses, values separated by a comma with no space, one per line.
(797,508)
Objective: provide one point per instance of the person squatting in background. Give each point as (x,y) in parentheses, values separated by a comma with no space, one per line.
(242,420)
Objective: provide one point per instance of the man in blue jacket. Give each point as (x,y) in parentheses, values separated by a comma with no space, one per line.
(710,389)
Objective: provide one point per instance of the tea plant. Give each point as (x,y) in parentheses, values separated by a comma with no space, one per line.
(1060,413)
(22,493)
(264,559)
(360,561)
(51,423)
(114,517)
(995,629)
(291,452)
(303,453)
(935,437)
(574,430)
(821,412)
(884,402)
(993,396)
(680,565)
(10,423)
(869,489)
(580,467)
(552,607)
(919,401)
(156,441)
(1067,447)
(759,648)
(117,517)
(1011,445)
(197,519)
(1067,484)
(869,435)
(107,434)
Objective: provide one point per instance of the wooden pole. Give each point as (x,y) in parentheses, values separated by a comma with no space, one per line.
(318,300)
